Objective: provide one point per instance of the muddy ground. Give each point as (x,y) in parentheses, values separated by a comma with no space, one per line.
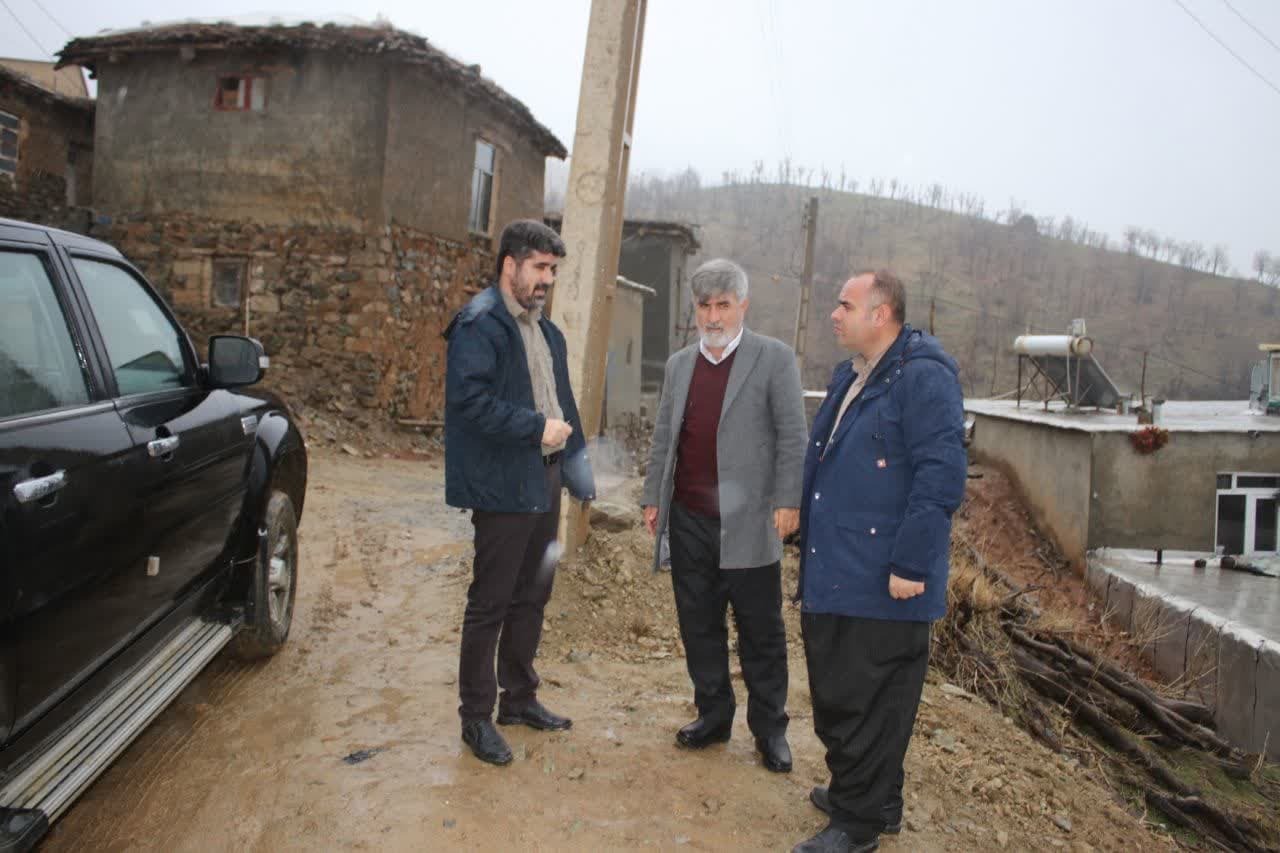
(349,737)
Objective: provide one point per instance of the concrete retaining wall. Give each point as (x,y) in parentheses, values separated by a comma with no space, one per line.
(1232,670)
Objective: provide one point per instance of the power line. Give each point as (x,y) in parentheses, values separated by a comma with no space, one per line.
(775,86)
(1227,47)
(23,27)
(50,16)
(1251,25)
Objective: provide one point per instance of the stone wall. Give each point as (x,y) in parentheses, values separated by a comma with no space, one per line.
(351,320)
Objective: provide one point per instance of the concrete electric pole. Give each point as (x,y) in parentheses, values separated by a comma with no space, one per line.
(806,281)
(592,229)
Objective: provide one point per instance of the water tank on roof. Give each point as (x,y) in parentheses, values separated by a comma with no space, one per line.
(1059,345)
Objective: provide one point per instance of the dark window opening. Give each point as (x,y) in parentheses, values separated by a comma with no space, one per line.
(1231,510)
(1264,533)
(1224,481)
(1244,481)
(228,282)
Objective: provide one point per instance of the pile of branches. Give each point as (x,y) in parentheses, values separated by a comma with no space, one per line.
(995,642)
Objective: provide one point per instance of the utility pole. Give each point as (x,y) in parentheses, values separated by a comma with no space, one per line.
(592,229)
(806,281)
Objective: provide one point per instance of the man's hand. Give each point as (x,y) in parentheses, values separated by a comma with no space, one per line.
(651,519)
(555,433)
(902,588)
(786,522)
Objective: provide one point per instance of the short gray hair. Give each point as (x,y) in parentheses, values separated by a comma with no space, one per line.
(718,276)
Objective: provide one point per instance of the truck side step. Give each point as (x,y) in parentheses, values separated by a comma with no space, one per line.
(52,782)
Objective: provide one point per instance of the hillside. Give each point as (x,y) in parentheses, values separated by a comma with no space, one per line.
(988,282)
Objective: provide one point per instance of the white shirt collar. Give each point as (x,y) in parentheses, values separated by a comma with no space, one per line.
(728,351)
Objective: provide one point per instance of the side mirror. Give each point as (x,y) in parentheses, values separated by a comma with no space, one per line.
(235,361)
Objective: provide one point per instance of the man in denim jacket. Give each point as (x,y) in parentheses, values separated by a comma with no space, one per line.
(884,471)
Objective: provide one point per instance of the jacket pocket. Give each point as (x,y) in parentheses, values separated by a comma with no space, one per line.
(867,539)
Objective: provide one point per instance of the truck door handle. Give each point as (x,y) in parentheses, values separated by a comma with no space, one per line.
(162,447)
(39,488)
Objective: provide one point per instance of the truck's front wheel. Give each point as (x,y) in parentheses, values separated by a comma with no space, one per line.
(273,600)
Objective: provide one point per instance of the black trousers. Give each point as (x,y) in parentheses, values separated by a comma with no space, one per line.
(510,585)
(865,676)
(703,592)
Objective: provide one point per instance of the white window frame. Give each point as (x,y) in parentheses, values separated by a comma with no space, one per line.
(9,165)
(485,228)
(1251,494)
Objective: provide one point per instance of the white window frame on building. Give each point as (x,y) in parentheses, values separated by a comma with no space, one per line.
(248,94)
(1254,488)
(10,137)
(483,180)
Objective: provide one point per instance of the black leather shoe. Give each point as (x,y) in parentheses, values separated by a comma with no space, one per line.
(535,716)
(485,742)
(892,820)
(833,839)
(775,752)
(703,732)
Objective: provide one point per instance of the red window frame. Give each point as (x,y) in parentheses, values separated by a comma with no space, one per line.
(244,90)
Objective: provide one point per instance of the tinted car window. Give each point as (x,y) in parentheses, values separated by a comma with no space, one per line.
(143,345)
(39,368)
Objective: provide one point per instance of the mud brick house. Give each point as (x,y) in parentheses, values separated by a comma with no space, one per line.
(46,144)
(656,254)
(336,190)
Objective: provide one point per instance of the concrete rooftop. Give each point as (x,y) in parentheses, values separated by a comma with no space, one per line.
(1177,416)
(1247,600)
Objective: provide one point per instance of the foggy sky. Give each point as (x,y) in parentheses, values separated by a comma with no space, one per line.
(1116,112)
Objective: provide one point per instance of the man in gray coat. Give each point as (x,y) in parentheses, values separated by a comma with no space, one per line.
(724,480)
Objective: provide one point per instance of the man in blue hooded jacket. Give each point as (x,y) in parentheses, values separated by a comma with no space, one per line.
(884,472)
(513,439)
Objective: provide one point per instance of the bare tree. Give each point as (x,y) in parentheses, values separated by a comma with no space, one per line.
(1132,239)
(1218,259)
(1263,266)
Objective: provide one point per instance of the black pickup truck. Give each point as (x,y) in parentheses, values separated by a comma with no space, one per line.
(148,514)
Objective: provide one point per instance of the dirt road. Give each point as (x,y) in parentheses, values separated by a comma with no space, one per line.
(349,737)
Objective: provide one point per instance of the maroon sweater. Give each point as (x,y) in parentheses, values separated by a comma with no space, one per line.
(697,485)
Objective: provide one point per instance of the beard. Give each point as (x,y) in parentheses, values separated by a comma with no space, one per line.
(718,338)
(532,298)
